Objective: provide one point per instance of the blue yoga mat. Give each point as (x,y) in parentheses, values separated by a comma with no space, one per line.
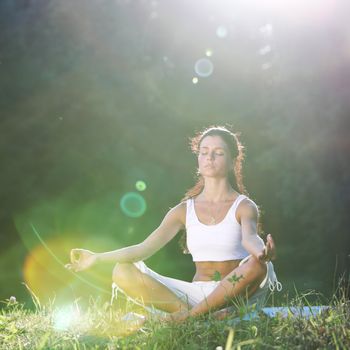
(293,311)
(297,311)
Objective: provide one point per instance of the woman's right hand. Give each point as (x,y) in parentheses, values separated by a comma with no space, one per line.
(81,259)
(269,252)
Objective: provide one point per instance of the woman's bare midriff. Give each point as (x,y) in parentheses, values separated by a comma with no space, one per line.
(211,270)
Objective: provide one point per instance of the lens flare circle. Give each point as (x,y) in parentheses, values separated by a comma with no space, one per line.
(209,52)
(65,317)
(221,32)
(133,204)
(204,67)
(140,185)
(42,272)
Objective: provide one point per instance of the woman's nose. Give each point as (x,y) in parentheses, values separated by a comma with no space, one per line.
(210,156)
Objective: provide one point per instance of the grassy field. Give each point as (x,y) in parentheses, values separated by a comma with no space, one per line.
(99,326)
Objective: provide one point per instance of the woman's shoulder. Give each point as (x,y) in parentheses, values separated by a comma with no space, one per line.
(247,207)
(247,201)
(179,211)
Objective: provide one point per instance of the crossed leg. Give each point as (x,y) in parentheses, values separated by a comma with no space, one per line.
(151,292)
(244,280)
(146,289)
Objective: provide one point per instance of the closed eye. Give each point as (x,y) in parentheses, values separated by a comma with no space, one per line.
(217,153)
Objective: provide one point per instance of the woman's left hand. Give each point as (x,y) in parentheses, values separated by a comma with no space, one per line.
(269,252)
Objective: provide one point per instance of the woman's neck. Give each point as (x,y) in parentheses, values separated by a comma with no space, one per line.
(216,190)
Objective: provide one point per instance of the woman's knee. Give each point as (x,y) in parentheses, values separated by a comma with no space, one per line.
(257,269)
(123,273)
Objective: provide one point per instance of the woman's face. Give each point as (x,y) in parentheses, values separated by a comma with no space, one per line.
(214,158)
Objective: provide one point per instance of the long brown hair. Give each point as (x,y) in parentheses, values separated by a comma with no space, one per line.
(235,178)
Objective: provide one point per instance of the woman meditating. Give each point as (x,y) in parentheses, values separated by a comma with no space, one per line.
(221,224)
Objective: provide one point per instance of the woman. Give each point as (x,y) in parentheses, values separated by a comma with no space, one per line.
(221,234)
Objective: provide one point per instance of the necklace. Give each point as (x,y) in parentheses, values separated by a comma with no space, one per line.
(213,214)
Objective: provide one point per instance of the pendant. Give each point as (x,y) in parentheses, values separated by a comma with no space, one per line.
(212,221)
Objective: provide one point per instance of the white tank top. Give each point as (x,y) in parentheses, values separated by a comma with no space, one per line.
(219,242)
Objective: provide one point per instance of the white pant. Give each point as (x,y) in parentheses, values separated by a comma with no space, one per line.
(194,292)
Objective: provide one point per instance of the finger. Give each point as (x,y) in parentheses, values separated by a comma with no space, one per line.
(268,240)
(271,241)
(75,255)
(272,247)
(268,248)
(73,267)
(72,255)
(70,267)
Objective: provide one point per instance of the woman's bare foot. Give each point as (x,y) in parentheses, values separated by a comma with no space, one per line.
(176,317)
(223,313)
(132,322)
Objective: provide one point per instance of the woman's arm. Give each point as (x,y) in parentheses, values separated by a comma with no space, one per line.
(251,241)
(171,224)
(166,231)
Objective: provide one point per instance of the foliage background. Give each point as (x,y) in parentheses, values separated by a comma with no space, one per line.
(96,95)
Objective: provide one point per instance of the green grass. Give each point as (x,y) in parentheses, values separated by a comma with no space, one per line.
(98,326)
